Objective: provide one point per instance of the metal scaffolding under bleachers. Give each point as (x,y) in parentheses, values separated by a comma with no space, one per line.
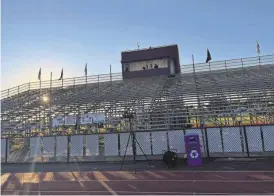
(220,93)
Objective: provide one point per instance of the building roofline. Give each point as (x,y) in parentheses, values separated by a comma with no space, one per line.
(149,48)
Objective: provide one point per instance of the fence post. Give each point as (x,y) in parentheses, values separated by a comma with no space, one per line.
(222,139)
(84,145)
(246,142)
(262,138)
(6,151)
(42,148)
(119,145)
(68,148)
(151,144)
(167,137)
(133,146)
(207,146)
(55,147)
(241,136)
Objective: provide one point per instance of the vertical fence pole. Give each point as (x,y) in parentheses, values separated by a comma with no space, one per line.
(167,137)
(242,140)
(84,145)
(246,142)
(207,146)
(6,151)
(42,148)
(68,148)
(151,144)
(222,139)
(55,147)
(119,145)
(262,138)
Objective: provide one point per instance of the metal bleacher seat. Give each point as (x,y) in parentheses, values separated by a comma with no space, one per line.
(160,102)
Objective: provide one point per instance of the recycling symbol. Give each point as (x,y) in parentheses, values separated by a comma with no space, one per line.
(194,154)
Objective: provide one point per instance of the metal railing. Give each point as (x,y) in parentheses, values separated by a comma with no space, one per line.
(60,83)
(199,67)
(229,64)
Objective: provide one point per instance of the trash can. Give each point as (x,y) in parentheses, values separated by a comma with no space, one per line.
(193,149)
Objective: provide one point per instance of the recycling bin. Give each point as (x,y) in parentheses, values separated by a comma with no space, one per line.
(193,149)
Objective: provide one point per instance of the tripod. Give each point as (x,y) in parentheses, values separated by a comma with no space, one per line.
(134,141)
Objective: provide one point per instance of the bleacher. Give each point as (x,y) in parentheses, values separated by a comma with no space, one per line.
(160,103)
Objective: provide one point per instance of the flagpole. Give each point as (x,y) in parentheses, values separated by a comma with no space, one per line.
(110,73)
(86,73)
(50,100)
(259,58)
(193,66)
(258,53)
(62,82)
(62,77)
(202,123)
(50,80)
(40,84)
(197,94)
(195,81)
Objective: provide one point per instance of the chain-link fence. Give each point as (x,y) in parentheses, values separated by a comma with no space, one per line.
(237,141)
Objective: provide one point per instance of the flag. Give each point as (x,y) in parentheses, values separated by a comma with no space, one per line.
(86,70)
(39,74)
(138,45)
(208,58)
(258,48)
(61,77)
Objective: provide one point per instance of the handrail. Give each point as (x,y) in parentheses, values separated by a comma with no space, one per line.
(199,67)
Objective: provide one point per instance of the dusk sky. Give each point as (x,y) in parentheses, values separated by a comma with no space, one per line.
(56,34)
